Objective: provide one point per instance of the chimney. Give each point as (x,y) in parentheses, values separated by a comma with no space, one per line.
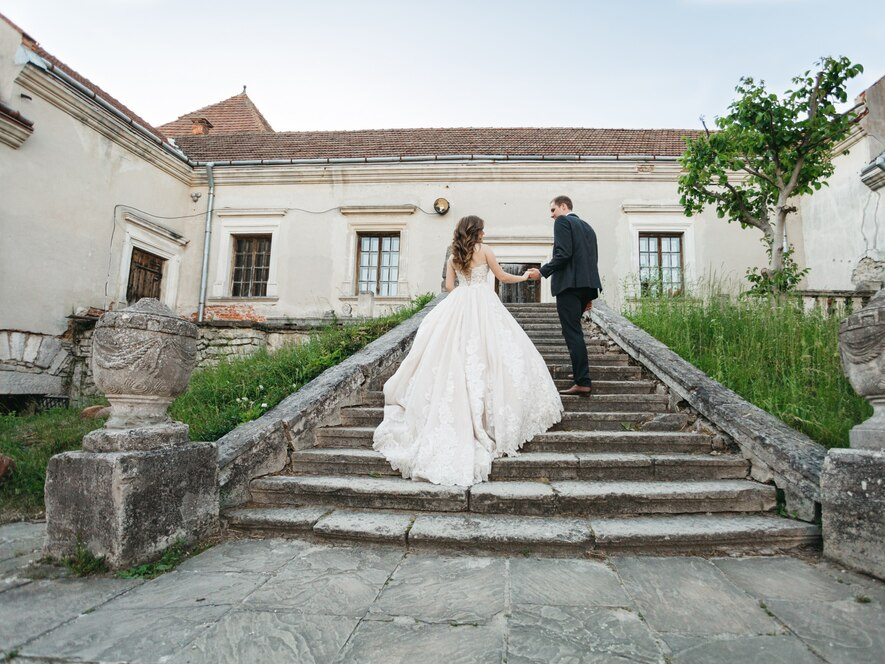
(200,126)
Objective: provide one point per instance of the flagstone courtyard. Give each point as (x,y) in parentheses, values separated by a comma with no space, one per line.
(278,600)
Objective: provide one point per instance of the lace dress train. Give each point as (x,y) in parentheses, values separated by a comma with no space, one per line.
(472,388)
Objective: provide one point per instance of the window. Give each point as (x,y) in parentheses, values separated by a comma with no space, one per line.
(145,275)
(660,263)
(378,263)
(251,265)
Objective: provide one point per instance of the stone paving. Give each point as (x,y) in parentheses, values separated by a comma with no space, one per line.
(287,601)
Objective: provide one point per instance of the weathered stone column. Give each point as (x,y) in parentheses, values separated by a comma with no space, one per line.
(853,480)
(139,484)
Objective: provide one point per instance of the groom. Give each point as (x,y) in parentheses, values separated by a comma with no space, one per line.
(575,284)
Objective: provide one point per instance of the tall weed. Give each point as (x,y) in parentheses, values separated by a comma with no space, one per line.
(771,352)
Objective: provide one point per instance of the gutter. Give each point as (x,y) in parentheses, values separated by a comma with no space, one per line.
(331,161)
(207,237)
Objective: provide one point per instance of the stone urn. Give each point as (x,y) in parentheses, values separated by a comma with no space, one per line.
(142,358)
(862,347)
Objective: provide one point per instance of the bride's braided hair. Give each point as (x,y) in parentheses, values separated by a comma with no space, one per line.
(465,240)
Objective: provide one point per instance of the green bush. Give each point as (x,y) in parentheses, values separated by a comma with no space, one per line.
(771,352)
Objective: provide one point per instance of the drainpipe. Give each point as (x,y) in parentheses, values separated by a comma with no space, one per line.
(207,237)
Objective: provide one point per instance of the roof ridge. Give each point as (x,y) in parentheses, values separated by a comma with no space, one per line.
(235,114)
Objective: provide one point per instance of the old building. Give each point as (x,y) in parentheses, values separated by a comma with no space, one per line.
(217,214)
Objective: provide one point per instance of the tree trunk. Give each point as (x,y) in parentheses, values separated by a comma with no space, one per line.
(776,239)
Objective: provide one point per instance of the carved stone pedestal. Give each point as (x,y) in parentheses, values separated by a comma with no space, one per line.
(853,480)
(130,506)
(139,484)
(853,506)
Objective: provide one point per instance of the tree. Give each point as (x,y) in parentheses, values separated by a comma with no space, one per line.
(767,150)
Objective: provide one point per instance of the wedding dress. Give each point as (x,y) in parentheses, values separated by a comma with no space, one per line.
(472,388)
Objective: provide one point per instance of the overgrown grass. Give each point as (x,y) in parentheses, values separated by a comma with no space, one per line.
(774,354)
(31,440)
(222,397)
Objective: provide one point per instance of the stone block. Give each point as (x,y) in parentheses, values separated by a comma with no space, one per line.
(32,347)
(130,506)
(853,504)
(20,382)
(16,345)
(4,346)
(141,438)
(49,348)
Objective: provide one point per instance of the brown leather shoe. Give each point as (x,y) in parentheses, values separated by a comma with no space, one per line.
(577,390)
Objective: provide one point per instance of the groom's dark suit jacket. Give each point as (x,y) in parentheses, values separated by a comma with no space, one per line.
(575,256)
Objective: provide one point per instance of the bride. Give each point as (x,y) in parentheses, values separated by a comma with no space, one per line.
(473,387)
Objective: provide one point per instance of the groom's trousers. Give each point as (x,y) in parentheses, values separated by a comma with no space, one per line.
(570,305)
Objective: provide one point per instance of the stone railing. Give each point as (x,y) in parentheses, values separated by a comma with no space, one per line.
(835,302)
(777,453)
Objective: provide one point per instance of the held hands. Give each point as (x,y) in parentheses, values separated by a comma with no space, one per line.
(533,274)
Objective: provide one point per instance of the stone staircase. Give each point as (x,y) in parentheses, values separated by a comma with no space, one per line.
(623,471)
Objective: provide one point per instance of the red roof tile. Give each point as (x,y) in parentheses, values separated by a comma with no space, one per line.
(32,44)
(233,115)
(512,142)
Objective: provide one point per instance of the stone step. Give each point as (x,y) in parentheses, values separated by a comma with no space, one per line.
(586,420)
(537,465)
(621,497)
(372,492)
(619,388)
(548,348)
(633,420)
(644,442)
(703,534)
(555,337)
(538,324)
(595,359)
(611,466)
(688,534)
(657,403)
(599,371)
(600,498)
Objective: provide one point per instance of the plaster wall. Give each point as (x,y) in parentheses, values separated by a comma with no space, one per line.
(843,224)
(314,216)
(62,228)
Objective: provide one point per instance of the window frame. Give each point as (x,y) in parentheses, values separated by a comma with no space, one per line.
(380,234)
(237,237)
(658,236)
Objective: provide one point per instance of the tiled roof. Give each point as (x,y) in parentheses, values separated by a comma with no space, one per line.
(32,44)
(536,142)
(234,115)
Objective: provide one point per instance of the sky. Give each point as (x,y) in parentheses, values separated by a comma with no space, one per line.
(372,64)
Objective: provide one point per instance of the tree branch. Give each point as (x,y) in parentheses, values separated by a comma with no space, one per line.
(747,218)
